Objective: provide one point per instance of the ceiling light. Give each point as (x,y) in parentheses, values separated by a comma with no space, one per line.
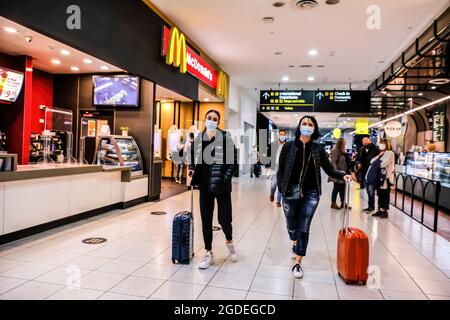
(278,53)
(383,92)
(65,52)
(311,78)
(332,2)
(420,94)
(348,119)
(87,61)
(305,4)
(278,4)
(402,103)
(433,88)
(313,52)
(10,30)
(104,67)
(268,20)
(29,69)
(56,61)
(439,81)
(74,68)
(410,99)
(285,78)
(28,38)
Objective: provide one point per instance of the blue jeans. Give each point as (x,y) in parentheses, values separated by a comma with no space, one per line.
(370,188)
(274,187)
(299,214)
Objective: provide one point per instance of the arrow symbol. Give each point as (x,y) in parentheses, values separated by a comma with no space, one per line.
(320,95)
(266,95)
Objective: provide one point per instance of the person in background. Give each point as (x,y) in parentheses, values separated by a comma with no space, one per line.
(387,165)
(340,161)
(299,181)
(254,159)
(365,156)
(212,163)
(179,159)
(275,156)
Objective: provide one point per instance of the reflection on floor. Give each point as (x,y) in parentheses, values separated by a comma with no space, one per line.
(170,188)
(410,261)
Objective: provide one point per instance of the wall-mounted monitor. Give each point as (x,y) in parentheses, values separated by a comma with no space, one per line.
(116,90)
(10,84)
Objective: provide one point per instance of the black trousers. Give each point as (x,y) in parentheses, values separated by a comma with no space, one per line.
(225,215)
(384,198)
(338,188)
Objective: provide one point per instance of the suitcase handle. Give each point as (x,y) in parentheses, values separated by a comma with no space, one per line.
(345,207)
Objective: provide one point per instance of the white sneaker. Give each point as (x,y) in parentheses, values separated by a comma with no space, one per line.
(298,271)
(232,251)
(206,261)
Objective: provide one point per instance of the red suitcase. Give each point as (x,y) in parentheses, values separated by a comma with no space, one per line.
(352,249)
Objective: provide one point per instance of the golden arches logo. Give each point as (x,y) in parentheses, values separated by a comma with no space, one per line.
(176,51)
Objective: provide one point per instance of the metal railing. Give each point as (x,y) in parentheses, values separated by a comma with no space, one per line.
(424,183)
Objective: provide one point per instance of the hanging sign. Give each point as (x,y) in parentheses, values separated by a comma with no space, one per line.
(393,129)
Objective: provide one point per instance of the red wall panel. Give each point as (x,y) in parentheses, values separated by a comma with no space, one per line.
(42,95)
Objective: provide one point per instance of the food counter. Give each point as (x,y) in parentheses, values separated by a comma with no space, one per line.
(36,198)
(433,166)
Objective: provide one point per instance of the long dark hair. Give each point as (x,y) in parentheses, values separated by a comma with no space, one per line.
(315,134)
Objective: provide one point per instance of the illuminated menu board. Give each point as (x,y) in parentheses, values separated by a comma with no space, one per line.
(317,101)
(10,84)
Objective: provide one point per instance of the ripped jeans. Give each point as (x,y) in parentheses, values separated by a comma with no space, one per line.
(299,214)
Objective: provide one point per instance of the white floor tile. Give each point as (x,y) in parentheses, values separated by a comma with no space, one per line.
(239,281)
(157,271)
(109,251)
(193,275)
(31,291)
(120,297)
(7,284)
(121,266)
(272,285)
(399,284)
(76,294)
(354,292)
(402,295)
(101,281)
(318,275)
(427,274)
(89,262)
(213,293)
(178,291)
(431,297)
(274,271)
(138,286)
(265,296)
(65,276)
(239,267)
(315,290)
(438,288)
(28,270)
(6,264)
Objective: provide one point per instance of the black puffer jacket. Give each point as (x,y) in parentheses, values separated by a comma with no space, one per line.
(320,158)
(221,165)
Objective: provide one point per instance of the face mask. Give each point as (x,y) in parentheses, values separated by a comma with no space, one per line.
(307,131)
(283,138)
(382,147)
(210,125)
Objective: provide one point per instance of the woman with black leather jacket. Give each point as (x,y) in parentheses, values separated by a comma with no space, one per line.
(212,164)
(299,180)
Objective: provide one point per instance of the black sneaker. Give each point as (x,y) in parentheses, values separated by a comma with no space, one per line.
(368,210)
(384,215)
(377,214)
(298,271)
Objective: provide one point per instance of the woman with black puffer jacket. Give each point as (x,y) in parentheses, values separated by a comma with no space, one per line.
(212,164)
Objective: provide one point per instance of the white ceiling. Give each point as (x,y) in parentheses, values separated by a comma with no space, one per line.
(39,49)
(232,33)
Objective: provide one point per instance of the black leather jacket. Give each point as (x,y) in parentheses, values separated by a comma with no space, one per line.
(320,158)
(224,165)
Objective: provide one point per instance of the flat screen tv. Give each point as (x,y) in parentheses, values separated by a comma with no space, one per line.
(116,90)
(10,84)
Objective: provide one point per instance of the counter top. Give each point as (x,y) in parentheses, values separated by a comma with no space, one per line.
(28,172)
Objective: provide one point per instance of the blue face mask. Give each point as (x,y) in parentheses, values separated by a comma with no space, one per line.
(306,131)
(283,138)
(210,125)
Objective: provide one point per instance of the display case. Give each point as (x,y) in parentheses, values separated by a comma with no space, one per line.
(120,151)
(431,165)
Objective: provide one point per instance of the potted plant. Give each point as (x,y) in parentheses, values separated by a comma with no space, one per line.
(124,131)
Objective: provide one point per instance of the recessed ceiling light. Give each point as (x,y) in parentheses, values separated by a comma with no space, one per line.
(278,4)
(65,52)
(439,81)
(87,61)
(268,20)
(433,88)
(104,67)
(311,78)
(29,69)
(285,78)
(74,68)
(401,103)
(313,52)
(291,66)
(332,2)
(278,53)
(420,94)
(410,99)
(10,30)
(56,61)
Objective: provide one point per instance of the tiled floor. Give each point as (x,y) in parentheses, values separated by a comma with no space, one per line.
(135,262)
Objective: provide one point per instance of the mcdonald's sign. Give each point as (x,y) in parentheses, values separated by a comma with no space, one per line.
(179,55)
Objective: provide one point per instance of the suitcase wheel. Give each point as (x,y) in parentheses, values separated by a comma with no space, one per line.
(364,283)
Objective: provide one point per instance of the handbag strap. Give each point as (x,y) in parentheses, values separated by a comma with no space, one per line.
(301,180)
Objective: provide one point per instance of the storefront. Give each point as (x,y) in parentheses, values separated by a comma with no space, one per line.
(82,133)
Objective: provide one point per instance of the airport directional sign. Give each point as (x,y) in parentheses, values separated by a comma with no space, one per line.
(315,101)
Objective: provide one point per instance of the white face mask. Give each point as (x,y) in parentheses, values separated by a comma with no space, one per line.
(382,147)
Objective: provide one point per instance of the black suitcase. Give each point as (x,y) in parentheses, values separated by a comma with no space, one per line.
(183,235)
(257,170)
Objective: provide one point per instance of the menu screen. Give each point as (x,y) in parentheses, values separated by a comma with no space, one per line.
(10,84)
